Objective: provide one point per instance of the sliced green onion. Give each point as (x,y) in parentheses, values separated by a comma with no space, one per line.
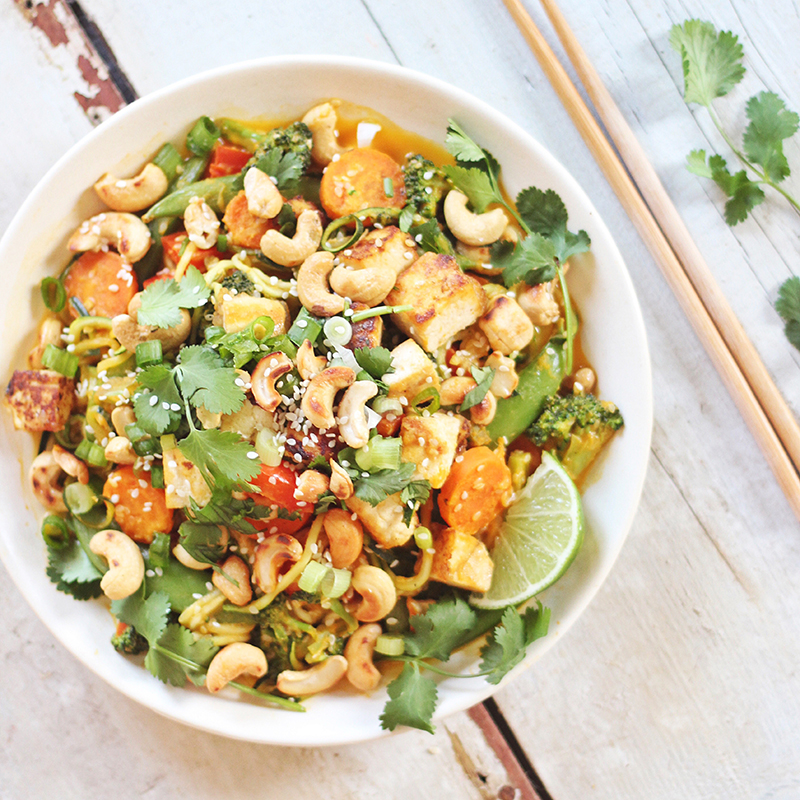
(100,516)
(157,476)
(379,311)
(267,447)
(80,498)
(379,453)
(55,531)
(60,361)
(349,620)
(201,138)
(335,582)
(388,187)
(79,307)
(71,435)
(168,159)
(312,576)
(432,394)
(222,243)
(92,453)
(305,326)
(423,537)
(350,219)
(262,328)
(387,405)
(149,353)
(388,645)
(54,294)
(338,331)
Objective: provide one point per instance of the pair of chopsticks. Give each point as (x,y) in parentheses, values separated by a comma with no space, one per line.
(647,203)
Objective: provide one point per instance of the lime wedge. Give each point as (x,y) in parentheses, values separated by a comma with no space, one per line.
(540,537)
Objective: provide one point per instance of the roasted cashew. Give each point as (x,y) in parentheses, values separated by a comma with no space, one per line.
(378,594)
(314,680)
(233,660)
(352,415)
(71,464)
(505,379)
(49,333)
(483,413)
(311,485)
(309,365)
(122,416)
(291,252)
(369,285)
(453,390)
(125,563)
(317,402)
(271,555)
(584,381)
(125,232)
(133,194)
(262,381)
(120,451)
(234,567)
(345,537)
(361,672)
(129,332)
(474,229)
(321,121)
(45,475)
(182,554)
(341,484)
(263,198)
(202,225)
(312,286)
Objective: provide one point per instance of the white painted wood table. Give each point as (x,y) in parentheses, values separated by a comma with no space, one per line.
(680,680)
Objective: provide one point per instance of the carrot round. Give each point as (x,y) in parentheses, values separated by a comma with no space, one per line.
(245,229)
(472,494)
(139,509)
(102,282)
(361,178)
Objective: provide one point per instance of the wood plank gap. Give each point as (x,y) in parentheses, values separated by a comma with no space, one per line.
(104,52)
(499,736)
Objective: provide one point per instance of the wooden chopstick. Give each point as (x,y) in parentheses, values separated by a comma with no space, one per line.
(759,402)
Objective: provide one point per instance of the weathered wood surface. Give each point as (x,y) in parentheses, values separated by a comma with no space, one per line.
(679,680)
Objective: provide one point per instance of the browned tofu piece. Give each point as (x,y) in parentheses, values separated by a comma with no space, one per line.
(432,443)
(366,332)
(506,325)
(40,399)
(183,481)
(444,300)
(384,521)
(413,371)
(236,312)
(461,560)
(388,248)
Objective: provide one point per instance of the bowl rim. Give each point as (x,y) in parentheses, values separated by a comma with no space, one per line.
(477,691)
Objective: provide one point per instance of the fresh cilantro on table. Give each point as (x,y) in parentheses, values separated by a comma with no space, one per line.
(442,628)
(483,377)
(162,301)
(788,306)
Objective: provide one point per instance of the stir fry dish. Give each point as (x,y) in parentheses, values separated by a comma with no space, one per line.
(312,413)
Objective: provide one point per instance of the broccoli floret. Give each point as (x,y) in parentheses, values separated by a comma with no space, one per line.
(239,282)
(129,641)
(296,138)
(425,185)
(576,428)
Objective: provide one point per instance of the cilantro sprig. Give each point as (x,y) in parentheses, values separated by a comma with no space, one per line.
(441,629)
(162,301)
(541,254)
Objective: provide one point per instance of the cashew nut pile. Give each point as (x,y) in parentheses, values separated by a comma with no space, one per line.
(299,382)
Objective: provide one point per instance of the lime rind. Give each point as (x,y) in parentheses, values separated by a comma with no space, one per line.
(540,537)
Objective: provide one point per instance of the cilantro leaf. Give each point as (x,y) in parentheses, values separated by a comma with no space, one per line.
(475,184)
(176,656)
(412,700)
(770,123)
(788,306)
(430,237)
(712,62)
(179,583)
(544,212)
(412,496)
(696,162)
(459,144)
(222,456)
(484,378)
(506,645)
(440,628)
(375,360)
(70,569)
(159,407)
(206,381)
(148,617)
(744,195)
(162,301)
(533,260)
(379,485)
(202,542)
(283,167)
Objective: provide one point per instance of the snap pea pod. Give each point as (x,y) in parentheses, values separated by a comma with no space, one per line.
(240,135)
(217,192)
(191,172)
(538,381)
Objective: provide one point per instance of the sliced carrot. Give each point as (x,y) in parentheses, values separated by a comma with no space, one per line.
(362,178)
(472,494)
(164,274)
(139,509)
(102,282)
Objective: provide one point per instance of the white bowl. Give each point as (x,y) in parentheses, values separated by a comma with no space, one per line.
(613,336)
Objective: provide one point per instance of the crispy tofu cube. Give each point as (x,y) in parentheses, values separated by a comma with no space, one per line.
(506,325)
(461,560)
(432,443)
(40,399)
(384,521)
(387,247)
(366,332)
(444,300)
(413,371)
(247,421)
(183,481)
(237,312)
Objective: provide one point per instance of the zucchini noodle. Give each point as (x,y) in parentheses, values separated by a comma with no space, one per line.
(268,286)
(185,259)
(114,361)
(201,611)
